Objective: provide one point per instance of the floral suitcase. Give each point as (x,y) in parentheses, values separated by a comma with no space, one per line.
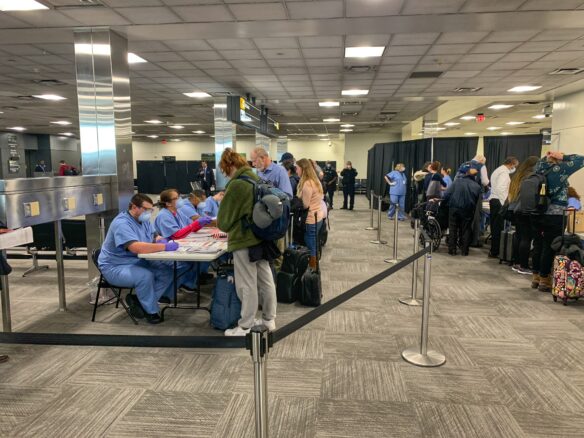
(568,279)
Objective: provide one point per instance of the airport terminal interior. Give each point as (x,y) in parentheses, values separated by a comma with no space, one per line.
(419,331)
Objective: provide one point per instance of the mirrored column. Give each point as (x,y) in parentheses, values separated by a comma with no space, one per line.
(225,131)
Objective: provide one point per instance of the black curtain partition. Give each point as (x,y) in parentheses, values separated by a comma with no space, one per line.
(519,146)
(370,171)
(452,152)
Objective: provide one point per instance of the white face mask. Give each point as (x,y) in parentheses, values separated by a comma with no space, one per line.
(512,170)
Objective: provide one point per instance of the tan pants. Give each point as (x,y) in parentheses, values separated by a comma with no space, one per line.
(281,244)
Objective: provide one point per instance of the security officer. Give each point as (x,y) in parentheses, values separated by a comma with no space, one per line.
(348,174)
(330,181)
(397,181)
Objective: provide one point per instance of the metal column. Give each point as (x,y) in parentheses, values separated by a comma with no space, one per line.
(60,266)
(5,297)
(225,132)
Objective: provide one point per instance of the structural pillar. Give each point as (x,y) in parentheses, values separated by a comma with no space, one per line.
(225,131)
(281,146)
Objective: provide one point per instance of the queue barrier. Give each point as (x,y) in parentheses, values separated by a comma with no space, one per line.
(371,197)
(259,341)
(378,241)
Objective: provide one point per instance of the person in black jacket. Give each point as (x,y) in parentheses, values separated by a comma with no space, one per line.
(207,178)
(330,181)
(348,174)
(462,197)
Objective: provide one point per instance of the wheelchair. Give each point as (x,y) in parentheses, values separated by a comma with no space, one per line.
(430,215)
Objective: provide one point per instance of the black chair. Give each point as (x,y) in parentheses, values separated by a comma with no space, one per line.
(104,284)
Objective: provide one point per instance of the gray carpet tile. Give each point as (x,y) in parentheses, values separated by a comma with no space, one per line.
(380,347)
(558,424)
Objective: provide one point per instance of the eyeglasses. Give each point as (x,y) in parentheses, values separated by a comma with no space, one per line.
(150,210)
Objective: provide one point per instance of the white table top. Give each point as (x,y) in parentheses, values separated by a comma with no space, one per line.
(196,247)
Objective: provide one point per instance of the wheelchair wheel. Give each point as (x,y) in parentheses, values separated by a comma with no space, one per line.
(435,233)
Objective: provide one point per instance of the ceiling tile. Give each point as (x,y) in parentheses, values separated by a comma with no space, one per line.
(276,43)
(324,41)
(249,63)
(43,18)
(211,64)
(481,57)
(147,46)
(432,6)
(547,5)
(96,16)
(281,53)
(447,49)
(461,37)
(559,35)
(292,62)
(22,49)
(187,45)
(454,74)
(491,5)
(521,57)
(258,12)
(148,15)
(323,53)
(509,65)
(563,56)
(162,56)
(412,39)
(240,54)
(367,8)
(205,55)
(175,65)
(494,47)
(57,49)
(231,44)
(366,40)
(405,50)
(510,36)
(8,21)
(208,13)
(318,9)
(405,60)
(540,46)
(325,62)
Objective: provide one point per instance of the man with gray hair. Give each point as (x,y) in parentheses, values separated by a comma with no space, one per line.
(271,172)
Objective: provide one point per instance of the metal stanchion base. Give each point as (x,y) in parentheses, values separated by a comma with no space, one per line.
(409,301)
(370,228)
(430,359)
(393,261)
(379,242)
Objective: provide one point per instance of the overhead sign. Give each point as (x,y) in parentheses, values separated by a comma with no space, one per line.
(242,112)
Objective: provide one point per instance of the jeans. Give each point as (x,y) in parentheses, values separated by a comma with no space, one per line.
(525,232)
(349,193)
(459,225)
(496,226)
(545,229)
(399,200)
(311,237)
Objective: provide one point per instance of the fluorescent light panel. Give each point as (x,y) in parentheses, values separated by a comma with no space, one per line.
(21,5)
(346,130)
(61,122)
(493,128)
(67,134)
(355,92)
(54,97)
(153,122)
(198,132)
(515,123)
(201,95)
(328,104)
(135,59)
(17,128)
(468,118)
(176,127)
(331,120)
(347,125)
(152,136)
(364,52)
(452,124)
(524,88)
(470,133)
(539,116)
(500,106)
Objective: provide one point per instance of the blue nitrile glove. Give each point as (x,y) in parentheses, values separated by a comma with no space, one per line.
(205,220)
(163,240)
(171,246)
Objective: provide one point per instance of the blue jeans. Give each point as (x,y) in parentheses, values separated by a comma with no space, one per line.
(311,237)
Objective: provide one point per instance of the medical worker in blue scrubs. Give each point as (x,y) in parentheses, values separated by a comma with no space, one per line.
(194,205)
(130,234)
(211,207)
(171,223)
(397,181)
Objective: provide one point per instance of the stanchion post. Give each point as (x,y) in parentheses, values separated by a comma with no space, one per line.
(413,300)
(371,197)
(60,266)
(422,356)
(258,341)
(6,318)
(395,236)
(379,241)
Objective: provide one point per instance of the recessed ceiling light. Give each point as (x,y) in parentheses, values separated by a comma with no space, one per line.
(68,134)
(347,125)
(152,136)
(17,128)
(220,106)
(524,88)
(322,135)
(493,128)
(324,139)
(505,133)
(439,129)
(135,59)
(452,124)
(500,106)
(198,132)
(175,139)
(331,120)
(539,116)
(364,52)
(202,95)
(346,130)
(354,92)
(470,133)
(61,122)
(328,104)
(153,122)
(515,123)
(20,5)
(176,127)
(468,118)
(49,97)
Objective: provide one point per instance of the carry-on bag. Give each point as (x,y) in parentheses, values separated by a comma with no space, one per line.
(225,305)
(568,278)
(289,278)
(311,291)
(506,243)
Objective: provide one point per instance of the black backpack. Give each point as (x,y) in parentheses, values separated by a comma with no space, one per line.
(533,194)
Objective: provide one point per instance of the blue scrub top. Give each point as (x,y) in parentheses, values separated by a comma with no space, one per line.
(400,179)
(123,230)
(167,223)
(211,207)
(447,180)
(575,204)
(189,210)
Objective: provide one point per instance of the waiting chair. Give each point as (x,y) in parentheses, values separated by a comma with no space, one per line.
(104,284)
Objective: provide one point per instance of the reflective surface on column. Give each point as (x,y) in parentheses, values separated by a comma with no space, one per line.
(281,147)
(224,138)
(262,141)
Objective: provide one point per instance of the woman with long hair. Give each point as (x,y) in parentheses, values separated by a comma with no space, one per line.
(311,193)
(253,275)
(522,221)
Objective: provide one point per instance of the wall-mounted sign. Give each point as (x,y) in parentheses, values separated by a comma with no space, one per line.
(13,166)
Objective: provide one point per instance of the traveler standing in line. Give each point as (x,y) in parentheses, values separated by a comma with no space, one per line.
(481,177)
(349,174)
(500,182)
(437,184)
(522,222)
(461,197)
(397,181)
(310,192)
(254,281)
(290,167)
(330,181)
(206,177)
(546,227)
(419,179)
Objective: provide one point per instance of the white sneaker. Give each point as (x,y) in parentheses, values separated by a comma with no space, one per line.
(237,331)
(270,325)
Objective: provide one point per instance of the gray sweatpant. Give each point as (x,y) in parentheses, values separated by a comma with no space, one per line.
(252,282)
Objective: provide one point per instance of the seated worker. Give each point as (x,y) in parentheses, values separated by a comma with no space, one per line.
(193,208)
(172,224)
(130,234)
(211,207)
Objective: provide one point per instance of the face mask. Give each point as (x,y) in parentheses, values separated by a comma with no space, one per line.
(180,203)
(512,170)
(144,217)
(328,166)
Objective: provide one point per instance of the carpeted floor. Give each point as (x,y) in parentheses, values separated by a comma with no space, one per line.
(515,359)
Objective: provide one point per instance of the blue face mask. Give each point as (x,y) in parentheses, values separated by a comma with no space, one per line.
(145,217)
(180,203)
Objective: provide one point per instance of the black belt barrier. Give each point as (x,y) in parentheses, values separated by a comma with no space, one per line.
(297,324)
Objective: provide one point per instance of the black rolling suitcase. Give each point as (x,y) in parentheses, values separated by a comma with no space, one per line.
(289,279)
(506,244)
(311,291)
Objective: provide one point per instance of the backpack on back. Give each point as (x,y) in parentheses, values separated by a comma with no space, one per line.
(533,197)
(271,211)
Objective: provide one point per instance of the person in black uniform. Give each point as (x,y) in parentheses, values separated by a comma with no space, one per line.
(348,174)
(330,181)
(207,178)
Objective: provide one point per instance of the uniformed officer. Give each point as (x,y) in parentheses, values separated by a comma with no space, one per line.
(397,181)
(348,174)
(330,181)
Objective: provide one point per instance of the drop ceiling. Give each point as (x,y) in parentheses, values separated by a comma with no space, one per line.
(290,56)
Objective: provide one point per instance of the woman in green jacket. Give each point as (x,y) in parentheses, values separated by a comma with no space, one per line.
(252,279)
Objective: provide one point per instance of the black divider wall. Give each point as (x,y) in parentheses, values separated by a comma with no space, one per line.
(453,151)
(519,146)
(370,170)
(377,182)
(155,176)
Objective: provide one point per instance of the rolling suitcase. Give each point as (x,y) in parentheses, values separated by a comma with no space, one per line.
(311,291)
(225,305)
(289,279)
(568,278)
(506,244)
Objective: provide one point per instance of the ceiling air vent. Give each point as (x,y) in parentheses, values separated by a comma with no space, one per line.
(223,93)
(388,113)
(360,68)
(426,74)
(166,116)
(49,82)
(567,71)
(466,90)
(353,102)
(349,114)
